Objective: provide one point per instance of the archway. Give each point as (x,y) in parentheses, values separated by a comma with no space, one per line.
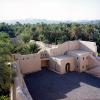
(67,67)
(44,64)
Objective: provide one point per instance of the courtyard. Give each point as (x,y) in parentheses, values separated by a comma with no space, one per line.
(48,85)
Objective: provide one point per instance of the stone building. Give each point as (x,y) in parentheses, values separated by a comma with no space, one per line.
(80,56)
(62,58)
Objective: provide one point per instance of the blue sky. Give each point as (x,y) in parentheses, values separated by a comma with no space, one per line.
(50,9)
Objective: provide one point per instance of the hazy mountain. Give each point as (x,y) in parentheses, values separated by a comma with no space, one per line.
(34,21)
(88,21)
(31,21)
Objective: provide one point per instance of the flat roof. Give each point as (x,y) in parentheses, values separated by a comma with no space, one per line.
(69,86)
(62,57)
(79,52)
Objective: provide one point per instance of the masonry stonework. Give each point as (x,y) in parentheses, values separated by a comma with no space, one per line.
(80,56)
(61,58)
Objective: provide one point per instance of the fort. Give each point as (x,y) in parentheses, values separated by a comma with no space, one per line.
(79,56)
(69,56)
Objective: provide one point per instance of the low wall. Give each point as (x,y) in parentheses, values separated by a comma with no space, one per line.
(28,63)
(19,90)
(73,45)
(61,49)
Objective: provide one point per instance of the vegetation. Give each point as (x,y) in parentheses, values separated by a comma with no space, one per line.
(54,33)
(25,48)
(5,70)
(48,33)
(4,98)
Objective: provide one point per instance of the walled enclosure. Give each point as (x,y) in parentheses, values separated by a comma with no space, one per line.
(68,48)
(69,56)
(45,57)
(61,49)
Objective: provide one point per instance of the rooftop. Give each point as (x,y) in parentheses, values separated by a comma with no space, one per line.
(79,52)
(62,57)
(48,85)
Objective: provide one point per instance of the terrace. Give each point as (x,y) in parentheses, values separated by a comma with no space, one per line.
(48,85)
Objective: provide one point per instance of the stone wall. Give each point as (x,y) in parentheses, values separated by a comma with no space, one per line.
(19,90)
(55,66)
(61,49)
(70,61)
(28,63)
(93,61)
(88,46)
(59,66)
(73,45)
(81,57)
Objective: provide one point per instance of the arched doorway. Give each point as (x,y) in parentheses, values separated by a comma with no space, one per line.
(44,64)
(67,67)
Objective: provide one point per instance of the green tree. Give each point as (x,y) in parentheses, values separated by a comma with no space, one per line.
(32,47)
(25,37)
(26,48)
(4,98)
(5,56)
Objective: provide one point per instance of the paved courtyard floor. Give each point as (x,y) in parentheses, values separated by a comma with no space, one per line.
(47,85)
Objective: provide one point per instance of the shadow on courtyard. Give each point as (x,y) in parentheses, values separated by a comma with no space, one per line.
(47,85)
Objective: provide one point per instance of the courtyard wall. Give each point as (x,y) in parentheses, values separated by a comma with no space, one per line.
(28,63)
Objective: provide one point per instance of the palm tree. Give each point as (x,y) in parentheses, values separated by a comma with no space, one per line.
(5,56)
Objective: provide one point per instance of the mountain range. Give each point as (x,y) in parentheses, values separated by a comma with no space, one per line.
(35,21)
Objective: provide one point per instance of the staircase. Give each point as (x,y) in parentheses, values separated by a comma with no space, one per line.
(94,67)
